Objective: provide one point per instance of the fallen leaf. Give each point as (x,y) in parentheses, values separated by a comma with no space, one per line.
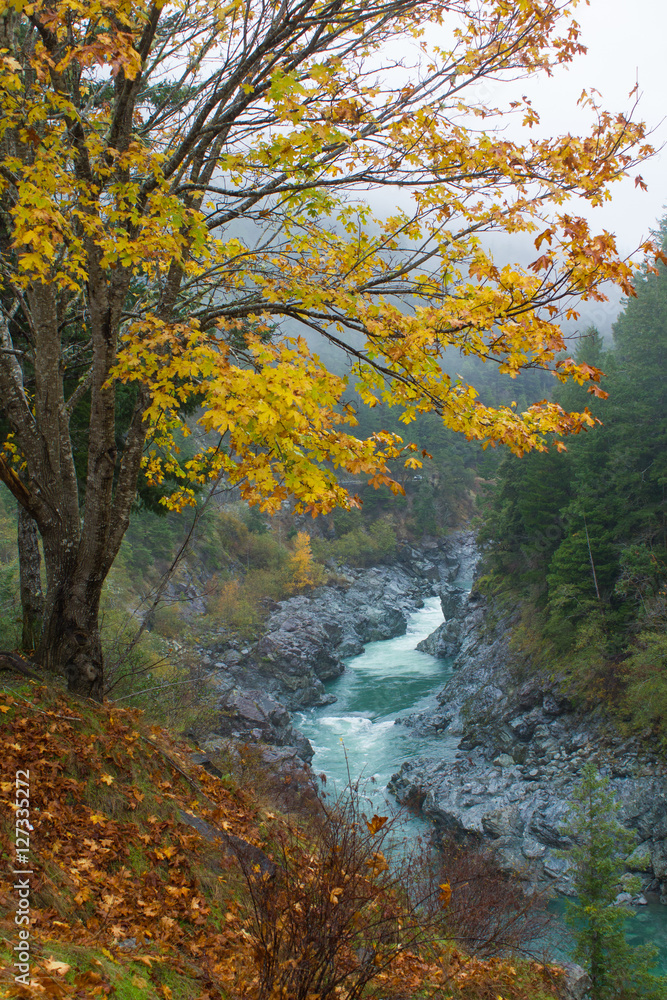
(53,965)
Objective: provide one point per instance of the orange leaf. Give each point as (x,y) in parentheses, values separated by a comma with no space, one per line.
(53,965)
(376,824)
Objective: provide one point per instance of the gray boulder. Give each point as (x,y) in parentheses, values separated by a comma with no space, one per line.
(256,717)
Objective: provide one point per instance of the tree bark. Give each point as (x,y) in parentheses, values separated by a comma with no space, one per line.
(70,642)
(32,599)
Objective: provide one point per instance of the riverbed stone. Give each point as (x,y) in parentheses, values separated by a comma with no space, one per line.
(499,822)
(444,642)
(659,859)
(522,744)
(504,760)
(576,981)
(452,600)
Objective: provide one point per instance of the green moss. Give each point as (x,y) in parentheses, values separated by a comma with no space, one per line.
(137,860)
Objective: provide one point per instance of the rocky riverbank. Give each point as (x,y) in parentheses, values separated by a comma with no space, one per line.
(306,640)
(522,745)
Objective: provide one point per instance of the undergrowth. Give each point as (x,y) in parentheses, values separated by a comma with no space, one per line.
(153,879)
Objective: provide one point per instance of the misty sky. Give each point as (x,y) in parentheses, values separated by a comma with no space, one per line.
(625,45)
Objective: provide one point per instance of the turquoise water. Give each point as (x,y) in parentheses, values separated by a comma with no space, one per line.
(389,679)
(357,735)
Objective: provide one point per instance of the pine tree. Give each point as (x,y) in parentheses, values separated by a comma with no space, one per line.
(617,970)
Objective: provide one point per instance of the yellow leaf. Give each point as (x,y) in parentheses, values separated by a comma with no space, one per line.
(107,779)
(378,863)
(97,818)
(333,896)
(165,852)
(53,965)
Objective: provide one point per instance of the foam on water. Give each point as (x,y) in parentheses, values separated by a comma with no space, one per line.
(389,678)
(357,736)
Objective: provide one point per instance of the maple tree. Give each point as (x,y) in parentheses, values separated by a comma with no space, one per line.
(178,180)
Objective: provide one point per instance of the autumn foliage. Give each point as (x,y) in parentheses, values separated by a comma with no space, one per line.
(304,570)
(184,195)
(156,880)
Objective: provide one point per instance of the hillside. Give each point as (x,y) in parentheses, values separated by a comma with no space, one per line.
(152,879)
(578,538)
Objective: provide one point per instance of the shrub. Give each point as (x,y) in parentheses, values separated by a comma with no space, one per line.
(488,913)
(330,917)
(231,605)
(348,910)
(360,547)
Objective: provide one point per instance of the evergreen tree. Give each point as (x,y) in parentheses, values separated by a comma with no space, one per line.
(424,511)
(581,537)
(617,970)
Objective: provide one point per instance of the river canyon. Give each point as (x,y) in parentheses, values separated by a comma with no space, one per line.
(404,675)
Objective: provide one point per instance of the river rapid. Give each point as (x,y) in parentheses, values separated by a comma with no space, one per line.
(490,747)
(357,736)
(358,731)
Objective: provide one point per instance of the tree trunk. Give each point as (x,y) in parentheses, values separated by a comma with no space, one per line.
(32,599)
(70,642)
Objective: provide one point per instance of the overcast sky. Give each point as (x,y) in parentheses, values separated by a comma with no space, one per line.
(625,46)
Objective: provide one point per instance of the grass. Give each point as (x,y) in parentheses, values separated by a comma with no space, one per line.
(129,901)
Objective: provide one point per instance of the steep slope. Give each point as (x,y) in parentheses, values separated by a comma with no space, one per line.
(149,878)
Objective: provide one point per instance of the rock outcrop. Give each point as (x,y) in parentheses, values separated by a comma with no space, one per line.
(522,746)
(308,637)
(254,688)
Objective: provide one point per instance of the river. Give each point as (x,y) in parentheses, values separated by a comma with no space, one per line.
(389,679)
